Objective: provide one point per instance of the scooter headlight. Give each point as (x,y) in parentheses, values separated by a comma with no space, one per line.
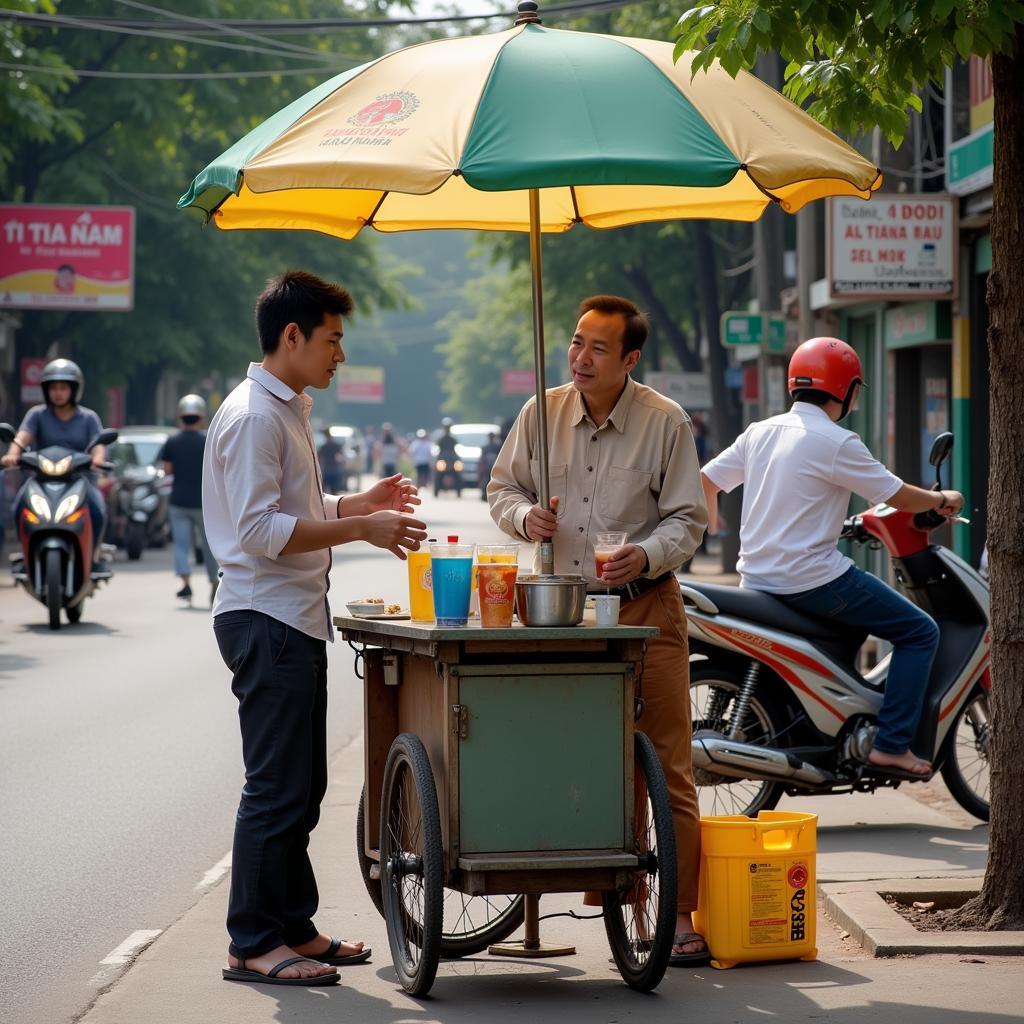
(40,506)
(457,466)
(67,506)
(51,468)
(441,465)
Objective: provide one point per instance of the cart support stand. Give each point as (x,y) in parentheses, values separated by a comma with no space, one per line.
(531,947)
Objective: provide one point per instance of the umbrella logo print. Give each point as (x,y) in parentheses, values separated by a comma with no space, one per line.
(386,109)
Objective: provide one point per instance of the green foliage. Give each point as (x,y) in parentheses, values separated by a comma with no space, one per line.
(853,64)
(139,142)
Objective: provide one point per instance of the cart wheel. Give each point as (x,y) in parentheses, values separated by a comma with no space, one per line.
(470,923)
(640,919)
(411,864)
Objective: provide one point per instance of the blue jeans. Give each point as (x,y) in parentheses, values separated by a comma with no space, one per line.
(859,599)
(186,523)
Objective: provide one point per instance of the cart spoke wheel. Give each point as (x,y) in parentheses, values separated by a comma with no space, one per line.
(471,923)
(411,858)
(640,918)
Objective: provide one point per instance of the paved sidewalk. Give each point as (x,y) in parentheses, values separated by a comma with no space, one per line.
(891,834)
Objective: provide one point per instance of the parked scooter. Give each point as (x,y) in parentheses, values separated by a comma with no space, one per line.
(52,519)
(779,705)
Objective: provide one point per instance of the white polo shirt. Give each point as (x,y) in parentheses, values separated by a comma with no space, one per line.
(260,475)
(798,471)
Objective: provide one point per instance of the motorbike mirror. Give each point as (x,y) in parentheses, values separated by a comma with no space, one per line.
(7,433)
(941,447)
(105,437)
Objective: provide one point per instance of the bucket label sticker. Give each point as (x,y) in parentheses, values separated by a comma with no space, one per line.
(777,901)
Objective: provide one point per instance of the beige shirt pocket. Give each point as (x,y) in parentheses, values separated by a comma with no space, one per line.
(558,478)
(625,496)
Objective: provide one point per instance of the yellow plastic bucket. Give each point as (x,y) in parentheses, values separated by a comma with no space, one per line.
(757,887)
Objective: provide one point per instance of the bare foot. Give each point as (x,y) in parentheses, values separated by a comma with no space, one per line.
(319,946)
(907,761)
(266,962)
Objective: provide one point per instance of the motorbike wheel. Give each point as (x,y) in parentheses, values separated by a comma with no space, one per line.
(965,756)
(74,612)
(135,541)
(54,590)
(713,693)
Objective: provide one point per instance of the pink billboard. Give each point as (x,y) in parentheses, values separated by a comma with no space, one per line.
(67,257)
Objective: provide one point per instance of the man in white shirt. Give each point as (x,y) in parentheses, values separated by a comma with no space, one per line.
(798,471)
(271,529)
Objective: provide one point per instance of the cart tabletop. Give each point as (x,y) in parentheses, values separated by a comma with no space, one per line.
(364,629)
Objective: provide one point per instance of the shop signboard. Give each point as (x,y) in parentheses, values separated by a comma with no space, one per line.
(31,370)
(690,390)
(67,257)
(361,384)
(518,382)
(893,247)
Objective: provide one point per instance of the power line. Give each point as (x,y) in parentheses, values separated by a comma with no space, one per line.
(183,76)
(309,25)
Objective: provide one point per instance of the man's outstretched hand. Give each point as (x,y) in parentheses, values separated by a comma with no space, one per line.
(392,494)
(395,531)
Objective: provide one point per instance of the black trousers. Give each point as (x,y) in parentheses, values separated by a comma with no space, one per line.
(280,680)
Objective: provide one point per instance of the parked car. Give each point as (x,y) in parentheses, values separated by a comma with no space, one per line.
(142,518)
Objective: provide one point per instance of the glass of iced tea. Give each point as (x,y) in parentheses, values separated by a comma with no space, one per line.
(497,589)
(605,546)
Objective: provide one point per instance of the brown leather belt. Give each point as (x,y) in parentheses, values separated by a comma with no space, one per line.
(631,591)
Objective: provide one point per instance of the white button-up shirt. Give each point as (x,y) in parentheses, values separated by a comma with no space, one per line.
(260,476)
(797,471)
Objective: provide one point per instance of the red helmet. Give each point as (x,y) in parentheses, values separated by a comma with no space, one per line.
(825,364)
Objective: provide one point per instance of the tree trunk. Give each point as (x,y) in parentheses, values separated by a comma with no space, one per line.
(1000,904)
(664,323)
(140,405)
(726,417)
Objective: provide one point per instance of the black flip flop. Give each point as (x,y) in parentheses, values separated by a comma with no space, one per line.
(240,973)
(892,772)
(330,955)
(698,959)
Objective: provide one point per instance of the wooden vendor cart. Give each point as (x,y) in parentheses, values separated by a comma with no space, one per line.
(501,764)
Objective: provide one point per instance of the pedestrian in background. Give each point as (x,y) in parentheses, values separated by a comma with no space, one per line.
(182,456)
(330,454)
(389,451)
(421,453)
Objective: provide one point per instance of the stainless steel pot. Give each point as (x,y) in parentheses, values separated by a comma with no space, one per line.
(550,600)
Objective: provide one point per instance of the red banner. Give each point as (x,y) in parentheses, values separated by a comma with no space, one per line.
(67,257)
(518,382)
(31,371)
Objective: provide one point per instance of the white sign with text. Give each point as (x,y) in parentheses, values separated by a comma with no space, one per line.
(894,246)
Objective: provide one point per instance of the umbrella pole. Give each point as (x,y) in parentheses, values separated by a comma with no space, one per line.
(547,550)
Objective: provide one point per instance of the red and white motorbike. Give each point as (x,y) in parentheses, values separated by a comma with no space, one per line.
(779,705)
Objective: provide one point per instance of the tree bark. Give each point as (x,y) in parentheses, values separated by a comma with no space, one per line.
(726,416)
(1000,904)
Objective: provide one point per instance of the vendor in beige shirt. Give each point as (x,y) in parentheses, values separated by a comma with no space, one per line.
(622,457)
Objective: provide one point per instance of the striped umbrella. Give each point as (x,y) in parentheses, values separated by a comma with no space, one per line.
(531,129)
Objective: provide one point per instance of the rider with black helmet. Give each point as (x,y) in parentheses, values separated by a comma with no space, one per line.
(60,420)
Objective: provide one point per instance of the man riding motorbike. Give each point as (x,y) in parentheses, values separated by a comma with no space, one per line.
(801,467)
(60,420)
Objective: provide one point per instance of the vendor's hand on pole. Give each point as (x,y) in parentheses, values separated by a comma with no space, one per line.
(625,565)
(395,531)
(392,494)
(542,524)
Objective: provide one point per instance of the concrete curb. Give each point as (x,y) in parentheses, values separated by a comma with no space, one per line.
(860,908)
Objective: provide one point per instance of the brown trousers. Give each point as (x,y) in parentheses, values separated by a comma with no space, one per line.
(666,720)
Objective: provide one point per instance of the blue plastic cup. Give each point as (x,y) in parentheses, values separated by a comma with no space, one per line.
(451,575)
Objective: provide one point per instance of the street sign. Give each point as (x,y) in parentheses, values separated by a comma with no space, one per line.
(690,390)
(741,328)
(363,384)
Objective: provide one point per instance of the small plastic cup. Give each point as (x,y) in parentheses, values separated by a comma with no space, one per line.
(605,545)
(497,588)
(606,609)
(451,575)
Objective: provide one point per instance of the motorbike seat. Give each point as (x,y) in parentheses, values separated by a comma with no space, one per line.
(838,641)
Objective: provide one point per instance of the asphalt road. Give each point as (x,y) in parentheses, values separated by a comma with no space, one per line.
(120,765)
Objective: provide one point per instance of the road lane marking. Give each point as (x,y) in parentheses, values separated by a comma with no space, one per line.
(134,944)
(216,873)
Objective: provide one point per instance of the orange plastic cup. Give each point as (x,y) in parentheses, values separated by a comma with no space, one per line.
(497,589)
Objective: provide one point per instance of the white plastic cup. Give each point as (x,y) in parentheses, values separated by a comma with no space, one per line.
(606,609)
